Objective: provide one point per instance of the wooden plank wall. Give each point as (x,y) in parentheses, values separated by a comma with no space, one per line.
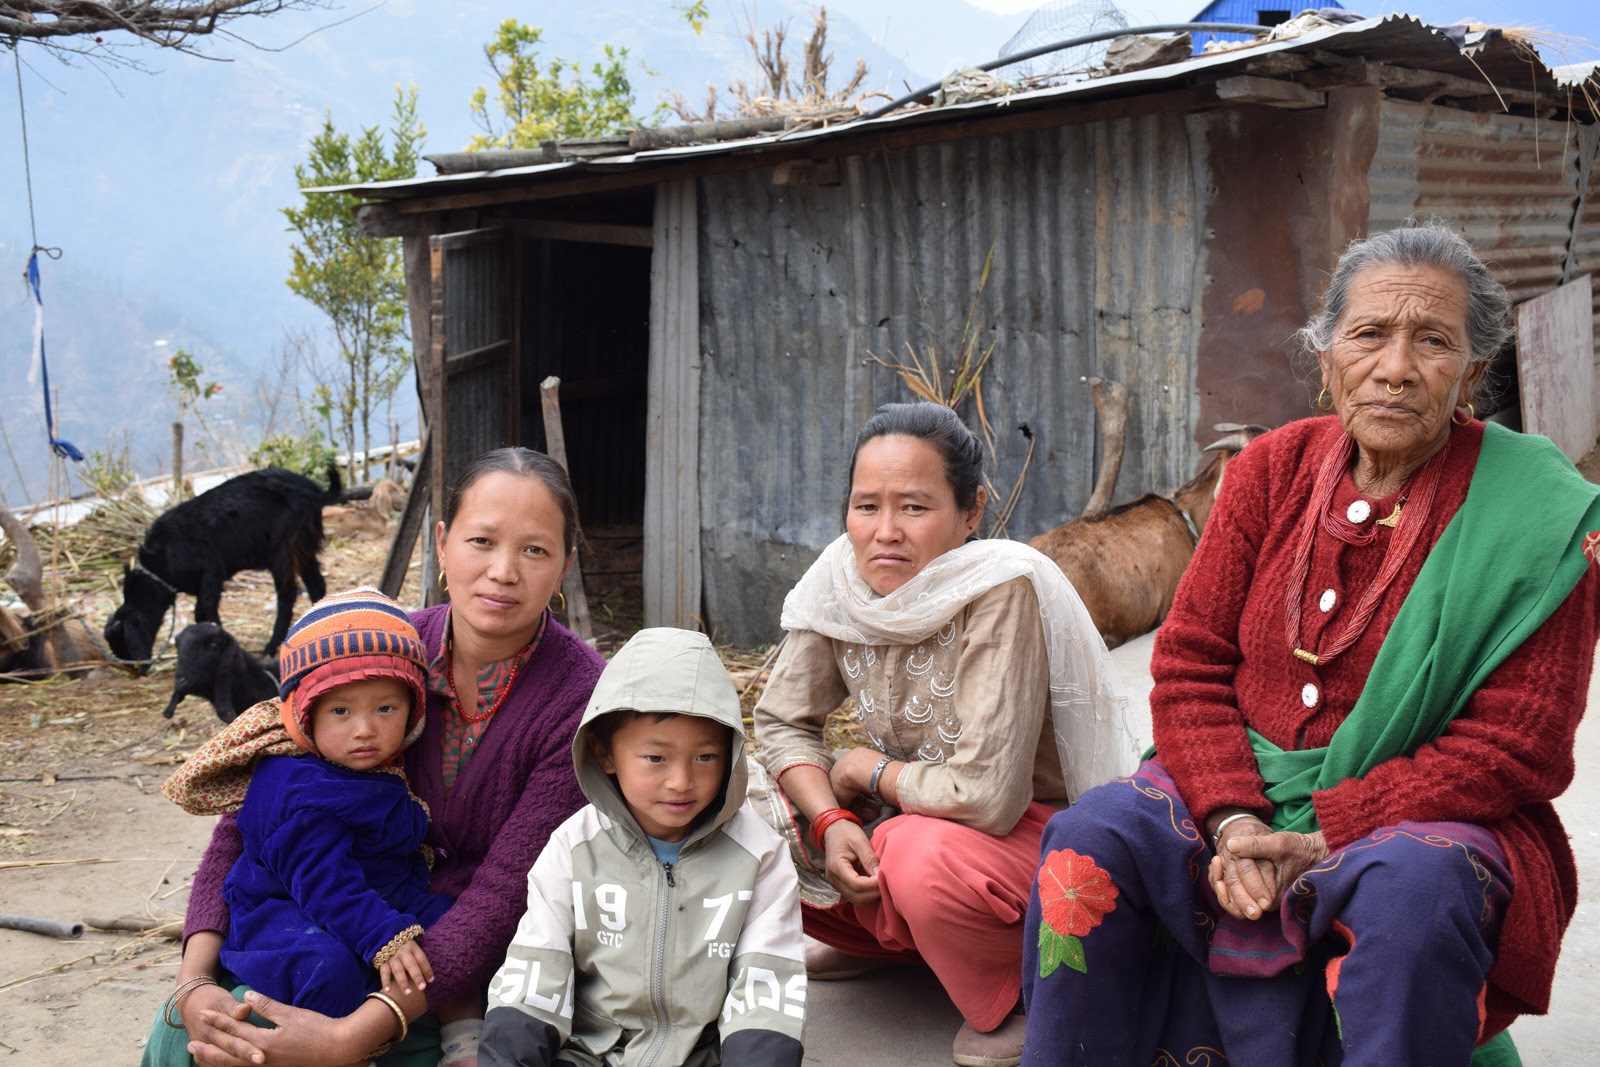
(1555,366)
(672,426)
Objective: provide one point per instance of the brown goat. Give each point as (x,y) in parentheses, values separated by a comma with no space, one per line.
(1126,563)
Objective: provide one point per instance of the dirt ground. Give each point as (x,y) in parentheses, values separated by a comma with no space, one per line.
(87,837)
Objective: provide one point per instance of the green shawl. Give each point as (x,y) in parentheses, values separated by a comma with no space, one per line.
(1509,557)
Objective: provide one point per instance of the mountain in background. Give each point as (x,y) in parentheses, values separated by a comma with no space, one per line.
(164,190)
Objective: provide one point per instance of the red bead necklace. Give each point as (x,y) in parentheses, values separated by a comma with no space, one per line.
(1408,529)
(505,690)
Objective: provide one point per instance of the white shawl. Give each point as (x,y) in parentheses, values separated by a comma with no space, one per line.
(1087,705)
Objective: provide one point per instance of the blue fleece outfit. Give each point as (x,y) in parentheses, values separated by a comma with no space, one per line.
(331,872)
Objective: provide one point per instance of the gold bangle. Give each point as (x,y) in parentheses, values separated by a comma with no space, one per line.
(405,1027)
(396,943)
(177,996)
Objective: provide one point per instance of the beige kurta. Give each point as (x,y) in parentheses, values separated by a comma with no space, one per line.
(968,709)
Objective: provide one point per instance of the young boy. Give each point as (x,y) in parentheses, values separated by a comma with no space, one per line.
(329,901)
(663,920)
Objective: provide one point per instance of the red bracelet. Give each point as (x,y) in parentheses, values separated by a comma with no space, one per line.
(824,819)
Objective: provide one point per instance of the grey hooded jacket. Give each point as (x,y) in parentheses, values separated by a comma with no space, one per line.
(623,961)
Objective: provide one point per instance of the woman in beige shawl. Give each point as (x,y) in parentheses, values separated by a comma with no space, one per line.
(988,699)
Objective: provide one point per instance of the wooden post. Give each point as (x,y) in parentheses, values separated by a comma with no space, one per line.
(413,522)
(177,463)
(555,442)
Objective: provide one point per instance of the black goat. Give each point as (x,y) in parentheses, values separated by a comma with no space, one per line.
(212,665)
(262,520)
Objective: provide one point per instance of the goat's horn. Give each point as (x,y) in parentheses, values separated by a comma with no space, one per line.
(1234,442)
(1238,427)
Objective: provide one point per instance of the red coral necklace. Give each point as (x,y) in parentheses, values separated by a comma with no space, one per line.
(505,689)
(1407,531)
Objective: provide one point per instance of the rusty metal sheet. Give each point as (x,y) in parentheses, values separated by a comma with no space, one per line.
(1555,366)
(1096,235)
(1508,182)
(1290,194)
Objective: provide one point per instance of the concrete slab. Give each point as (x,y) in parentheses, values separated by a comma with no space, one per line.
(902,1018)
(897,1017)
(1570,1034)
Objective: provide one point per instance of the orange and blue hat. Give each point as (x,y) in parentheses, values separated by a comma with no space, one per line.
(346,638)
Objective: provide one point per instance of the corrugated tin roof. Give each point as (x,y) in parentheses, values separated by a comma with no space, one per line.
(1395,40)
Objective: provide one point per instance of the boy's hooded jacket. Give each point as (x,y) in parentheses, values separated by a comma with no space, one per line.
(623,961)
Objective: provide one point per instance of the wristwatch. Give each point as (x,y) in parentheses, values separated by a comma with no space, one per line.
(877,773)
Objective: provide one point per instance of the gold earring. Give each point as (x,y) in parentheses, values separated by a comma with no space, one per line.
(1472,413)
(443,588)
(1318,403)
(561,602)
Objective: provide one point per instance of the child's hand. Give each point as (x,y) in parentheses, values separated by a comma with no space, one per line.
(409,966)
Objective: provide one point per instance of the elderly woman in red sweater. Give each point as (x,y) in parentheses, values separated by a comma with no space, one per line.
(1366,696)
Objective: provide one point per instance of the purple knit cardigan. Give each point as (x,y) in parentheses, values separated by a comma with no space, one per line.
(491,825)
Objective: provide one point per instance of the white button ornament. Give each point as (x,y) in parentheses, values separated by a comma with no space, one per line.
(1329,599)
(1359,512)
(1309,695)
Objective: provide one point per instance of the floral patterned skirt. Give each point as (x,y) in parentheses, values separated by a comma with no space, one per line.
(1377,955)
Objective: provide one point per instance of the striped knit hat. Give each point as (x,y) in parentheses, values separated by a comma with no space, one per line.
(345,638)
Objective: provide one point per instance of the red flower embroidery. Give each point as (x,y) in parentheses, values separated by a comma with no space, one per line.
(1075,894)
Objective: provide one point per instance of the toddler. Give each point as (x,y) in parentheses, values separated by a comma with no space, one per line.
(328,903)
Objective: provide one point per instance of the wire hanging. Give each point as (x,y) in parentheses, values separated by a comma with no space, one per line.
(40,367)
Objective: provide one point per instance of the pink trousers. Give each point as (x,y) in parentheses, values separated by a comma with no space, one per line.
(953,897)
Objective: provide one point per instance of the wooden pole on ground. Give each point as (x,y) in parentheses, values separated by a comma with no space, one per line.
(555,442)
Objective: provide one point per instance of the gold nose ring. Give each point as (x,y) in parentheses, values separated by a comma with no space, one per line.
(1393,392)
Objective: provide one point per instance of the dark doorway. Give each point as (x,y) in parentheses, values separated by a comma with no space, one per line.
(586,320)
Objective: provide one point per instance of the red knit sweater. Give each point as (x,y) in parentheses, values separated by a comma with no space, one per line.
(1223,662)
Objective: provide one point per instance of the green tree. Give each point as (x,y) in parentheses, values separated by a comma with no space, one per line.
(539,101)
(186,386)
(189,391)
(694,12)
(357,281)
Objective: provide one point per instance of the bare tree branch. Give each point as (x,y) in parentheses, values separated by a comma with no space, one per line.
(77,25)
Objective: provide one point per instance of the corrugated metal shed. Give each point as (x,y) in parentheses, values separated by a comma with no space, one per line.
(1507,181)
(1490,60)
(1166,227)
(807,282)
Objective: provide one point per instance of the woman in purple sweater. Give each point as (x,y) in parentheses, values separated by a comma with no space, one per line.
(507,685)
